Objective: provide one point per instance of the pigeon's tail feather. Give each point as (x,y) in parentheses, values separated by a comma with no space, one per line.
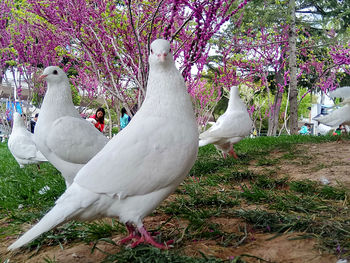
(66,208)
(336,117)
(205,139)
(203,143)
(49,221)
(328,120)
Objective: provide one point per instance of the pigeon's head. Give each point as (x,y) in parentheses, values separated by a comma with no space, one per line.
(160,52)
(234,89)
(17,119)
(53,74)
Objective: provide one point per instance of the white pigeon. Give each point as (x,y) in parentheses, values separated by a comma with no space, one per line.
(21,144)
(64,138)
(139,167)
(231,127)
(340,116)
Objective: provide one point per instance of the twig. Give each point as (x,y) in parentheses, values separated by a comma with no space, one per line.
(245,236)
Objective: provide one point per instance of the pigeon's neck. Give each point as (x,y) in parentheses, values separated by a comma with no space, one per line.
(18,127)
(165,86)
(59,96)
(166,94)
(235,102)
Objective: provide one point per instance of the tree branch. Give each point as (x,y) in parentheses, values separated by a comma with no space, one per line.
(181,27)
(151,29)
(143,73)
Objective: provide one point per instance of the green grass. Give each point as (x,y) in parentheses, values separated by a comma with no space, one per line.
(22,186)
(215,188)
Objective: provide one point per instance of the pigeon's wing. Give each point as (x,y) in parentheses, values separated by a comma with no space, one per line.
(74,139)
(336,117)
(343,92)
(135,161)
(22,146)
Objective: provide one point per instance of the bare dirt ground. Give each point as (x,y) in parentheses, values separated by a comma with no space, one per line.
(329,161)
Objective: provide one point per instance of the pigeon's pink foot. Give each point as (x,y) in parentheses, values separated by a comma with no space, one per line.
(233,153)
(147,239)
(131,236)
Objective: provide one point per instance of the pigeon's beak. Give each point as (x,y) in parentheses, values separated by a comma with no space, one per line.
(162,57)
(42,77)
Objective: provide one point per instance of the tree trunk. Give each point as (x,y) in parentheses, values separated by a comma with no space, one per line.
(276,107)
(293,93)
(109,117)
(3,71)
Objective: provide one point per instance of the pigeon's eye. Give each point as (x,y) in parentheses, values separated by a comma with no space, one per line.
(151,51)
(55,72)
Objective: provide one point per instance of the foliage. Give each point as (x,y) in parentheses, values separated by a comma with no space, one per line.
(216,44)
(254,51)
(107,43)
(115,130)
